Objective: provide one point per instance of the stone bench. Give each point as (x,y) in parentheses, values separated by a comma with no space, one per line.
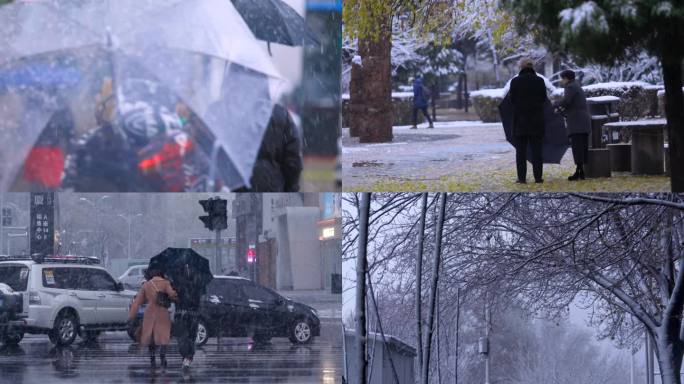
(598,163)
(620,157)
(648,143)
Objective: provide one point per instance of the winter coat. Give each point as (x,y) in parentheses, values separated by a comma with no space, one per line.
(420,97)
(528,95)
(574,104)
(279,164)
(156,321)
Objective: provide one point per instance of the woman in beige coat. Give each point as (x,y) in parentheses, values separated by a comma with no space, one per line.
(156,326)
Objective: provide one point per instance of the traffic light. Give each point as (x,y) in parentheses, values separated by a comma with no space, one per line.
(217,217)
(251,254)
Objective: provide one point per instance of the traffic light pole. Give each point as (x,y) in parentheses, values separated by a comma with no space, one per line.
(219,268)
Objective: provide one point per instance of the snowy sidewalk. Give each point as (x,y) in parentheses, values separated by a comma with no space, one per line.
(461,156)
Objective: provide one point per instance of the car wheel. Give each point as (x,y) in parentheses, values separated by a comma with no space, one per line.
(300,333)
(13,338)
(65,329)
(202,334)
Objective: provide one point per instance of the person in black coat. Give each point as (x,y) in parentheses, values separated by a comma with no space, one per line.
(578,121)
(528,95)
(279,164)
(186,317)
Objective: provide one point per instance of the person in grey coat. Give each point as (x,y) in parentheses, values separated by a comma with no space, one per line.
(578,121)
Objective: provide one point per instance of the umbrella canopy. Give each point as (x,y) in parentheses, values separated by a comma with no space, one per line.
(201,51)
(184,267)
(276,22)
(556,141)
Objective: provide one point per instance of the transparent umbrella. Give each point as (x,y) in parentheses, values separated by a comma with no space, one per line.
(83,58)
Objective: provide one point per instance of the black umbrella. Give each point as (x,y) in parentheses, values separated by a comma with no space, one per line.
(275,22)
(556,141)
(184,267)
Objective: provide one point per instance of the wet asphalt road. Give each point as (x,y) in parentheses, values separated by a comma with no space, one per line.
(115,359)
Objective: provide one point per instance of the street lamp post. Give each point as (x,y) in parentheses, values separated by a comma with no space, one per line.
(97,206)
(129,221)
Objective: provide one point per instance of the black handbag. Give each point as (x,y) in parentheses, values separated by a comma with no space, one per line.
(163,299)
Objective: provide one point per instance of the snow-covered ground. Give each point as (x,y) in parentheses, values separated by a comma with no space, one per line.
(460,156)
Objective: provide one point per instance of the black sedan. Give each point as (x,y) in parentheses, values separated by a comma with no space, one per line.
(238,307)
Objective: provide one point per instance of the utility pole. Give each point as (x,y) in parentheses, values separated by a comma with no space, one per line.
(487,320)
(458,316)
(650,379)
(2,218)
(215,220)
(631,367)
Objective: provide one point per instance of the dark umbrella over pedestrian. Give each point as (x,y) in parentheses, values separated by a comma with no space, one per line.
(176,262)
(555,136)
(275,22)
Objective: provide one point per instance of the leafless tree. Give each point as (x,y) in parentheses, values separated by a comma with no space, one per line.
(361,268)
(618,255)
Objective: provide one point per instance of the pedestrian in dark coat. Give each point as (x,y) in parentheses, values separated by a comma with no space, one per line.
(186,318)
(577,120)
(279,164)
(421,97)
(528,95)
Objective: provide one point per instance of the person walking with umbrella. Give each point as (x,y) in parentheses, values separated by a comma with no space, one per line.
(578,121)
(157,293)
(186,317)
(528,96)
(421,95)
(189,273)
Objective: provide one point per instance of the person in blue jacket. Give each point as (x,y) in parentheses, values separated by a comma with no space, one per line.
(421,97)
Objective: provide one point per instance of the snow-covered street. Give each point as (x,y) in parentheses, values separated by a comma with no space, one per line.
(461,156)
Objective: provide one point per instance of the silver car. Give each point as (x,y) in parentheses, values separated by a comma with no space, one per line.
(133,277)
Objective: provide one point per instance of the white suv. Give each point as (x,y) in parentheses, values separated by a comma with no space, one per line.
(66,296)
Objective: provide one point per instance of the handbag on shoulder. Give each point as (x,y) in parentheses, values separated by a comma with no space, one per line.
(163,299)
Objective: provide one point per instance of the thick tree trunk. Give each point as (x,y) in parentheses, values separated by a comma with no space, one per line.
(419,283)
(674,112)
(361,267)
(669,352)
(370,104)
(433,289)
